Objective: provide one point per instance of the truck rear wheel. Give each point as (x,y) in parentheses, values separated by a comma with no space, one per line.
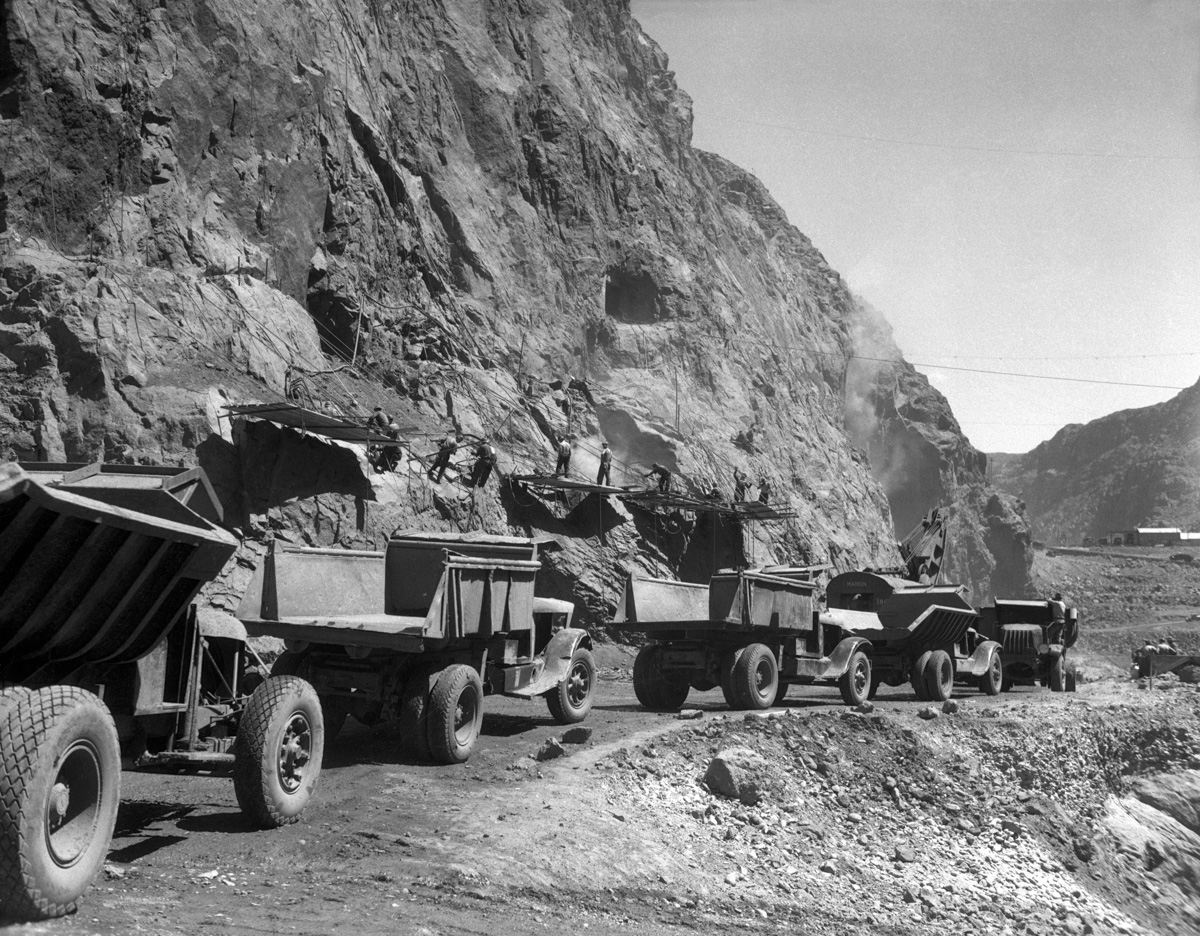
(1057,677)
(414,712)
(455,714)
(656,690)
(571,700)
(855,684)
(918,676)
(939,677)
(61,762)
(729,661)
(992,681)
(278,750)
(756,677)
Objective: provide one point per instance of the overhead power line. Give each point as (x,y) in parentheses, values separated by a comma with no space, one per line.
(974,147)
(971,370)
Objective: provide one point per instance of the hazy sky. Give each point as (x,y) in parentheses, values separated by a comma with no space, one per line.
(1015,184)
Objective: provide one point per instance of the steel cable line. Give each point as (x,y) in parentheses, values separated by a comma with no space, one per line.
(972,147)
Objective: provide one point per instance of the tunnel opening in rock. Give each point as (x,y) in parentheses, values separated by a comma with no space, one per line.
(337,321)
(630,296)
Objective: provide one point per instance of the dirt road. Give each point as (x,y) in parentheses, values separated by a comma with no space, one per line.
(616,836)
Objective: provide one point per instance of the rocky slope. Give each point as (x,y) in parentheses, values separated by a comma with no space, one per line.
(1137,467)
(445,209)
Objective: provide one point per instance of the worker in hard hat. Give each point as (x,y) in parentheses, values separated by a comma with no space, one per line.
(740,485)
(446,450)
(604,475)
(664,477)
(391,448)
(485,460)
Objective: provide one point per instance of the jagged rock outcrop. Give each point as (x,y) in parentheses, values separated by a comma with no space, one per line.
(1136,467)
(486,212)
(919,454)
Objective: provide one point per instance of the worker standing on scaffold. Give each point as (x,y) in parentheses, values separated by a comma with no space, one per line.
(740,485)
(378,421)
(604,475)
(764,491)
(485,461)
(664,477)
(564,457)
(446,450)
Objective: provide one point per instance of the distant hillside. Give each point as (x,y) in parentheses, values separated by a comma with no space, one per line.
(1137,466)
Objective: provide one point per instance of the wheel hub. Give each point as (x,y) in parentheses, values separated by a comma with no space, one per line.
(294,753)
(73,804)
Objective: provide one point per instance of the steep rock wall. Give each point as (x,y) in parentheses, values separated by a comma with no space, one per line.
(919,454)
(444,208)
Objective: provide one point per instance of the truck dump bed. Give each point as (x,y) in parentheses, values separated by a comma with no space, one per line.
(91,579)
(424,587)
(890,610)
(735,600)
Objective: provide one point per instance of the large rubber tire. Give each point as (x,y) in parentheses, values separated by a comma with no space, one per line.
(756,677)
(414,712)
(1057,677)
(455,714)
(656,690)
(917,677)
(278,751)
(729,662)
(571,700)
(855,684)
(61,781)
(939,676)
(992,681)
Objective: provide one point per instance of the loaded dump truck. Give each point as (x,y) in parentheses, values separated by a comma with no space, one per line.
(421,632)
(1035,644)
(102,653)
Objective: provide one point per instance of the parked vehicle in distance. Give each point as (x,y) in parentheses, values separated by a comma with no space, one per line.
(421,632)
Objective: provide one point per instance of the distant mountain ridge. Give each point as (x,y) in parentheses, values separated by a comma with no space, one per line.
(1131,468)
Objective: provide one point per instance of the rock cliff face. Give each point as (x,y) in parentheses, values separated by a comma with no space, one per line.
(1137,467)
(445,209)
(921,457)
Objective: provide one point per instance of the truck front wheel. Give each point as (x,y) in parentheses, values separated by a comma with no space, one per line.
(571,700)
(61,762)
(278,750)
(991,682)
(756,677)
(855,684)
(1058,674)
(939,677)
(455,714)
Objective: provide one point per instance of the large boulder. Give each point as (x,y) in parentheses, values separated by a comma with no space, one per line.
(737,773)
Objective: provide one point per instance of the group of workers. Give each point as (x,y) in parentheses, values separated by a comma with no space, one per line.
(386,457)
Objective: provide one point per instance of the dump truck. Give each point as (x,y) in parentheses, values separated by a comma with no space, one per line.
(1034,645)
(756,632)
(103,654)
(922,634)
(420,632)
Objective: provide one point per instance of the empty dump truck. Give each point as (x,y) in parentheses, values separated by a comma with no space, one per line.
(752,633)
(1035,646)
(102,653)
(421,632)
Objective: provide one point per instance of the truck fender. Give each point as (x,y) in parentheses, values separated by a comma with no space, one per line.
(839,660)
(557,658)
(978,662)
